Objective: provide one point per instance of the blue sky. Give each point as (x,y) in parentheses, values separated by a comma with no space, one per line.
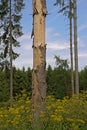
(57,35)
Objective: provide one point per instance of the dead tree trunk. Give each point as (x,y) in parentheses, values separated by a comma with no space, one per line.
(39,57)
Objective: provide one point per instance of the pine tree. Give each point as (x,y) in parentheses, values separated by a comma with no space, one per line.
(72,14)
(11,30)
(71,44)
(16,8)
(3,13)
(76,49)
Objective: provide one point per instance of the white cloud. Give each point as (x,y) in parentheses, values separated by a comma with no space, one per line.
(55,46)
(26,52)
(56,34)
(83,55)
(25,37)
(53,42)
(20,63)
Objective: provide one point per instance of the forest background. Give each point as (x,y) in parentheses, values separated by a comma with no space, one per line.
(62,110)
(57,39)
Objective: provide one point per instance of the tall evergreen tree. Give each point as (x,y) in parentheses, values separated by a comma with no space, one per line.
(72,6)
(71,48)
(11,30)
(11,56)
(3,12)
(76,48)
(62,78)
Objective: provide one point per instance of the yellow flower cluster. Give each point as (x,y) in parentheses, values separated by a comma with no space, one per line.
(66,114)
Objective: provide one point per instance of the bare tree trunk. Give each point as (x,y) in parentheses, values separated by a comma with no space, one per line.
(71,49)
(39,57)
(76,49)
(11,57)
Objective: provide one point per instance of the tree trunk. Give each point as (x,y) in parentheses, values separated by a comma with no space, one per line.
(11,57)
(76,49)
(39,57)
(71,49)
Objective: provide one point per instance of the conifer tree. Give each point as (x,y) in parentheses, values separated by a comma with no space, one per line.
(72,13)
(76,48)
(3,13)
(11,30)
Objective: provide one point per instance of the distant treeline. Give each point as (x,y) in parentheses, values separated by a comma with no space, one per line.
(58,82)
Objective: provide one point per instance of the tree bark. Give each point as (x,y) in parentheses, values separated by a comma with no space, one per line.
(71,49)
(76,49)
(11,57)
(39,57)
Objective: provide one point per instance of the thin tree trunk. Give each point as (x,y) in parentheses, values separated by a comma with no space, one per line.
(39,57)
(76,49)
(11,57)
(71,49)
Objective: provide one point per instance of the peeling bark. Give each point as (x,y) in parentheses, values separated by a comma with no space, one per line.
(44,9)
(39,57)
(35,11)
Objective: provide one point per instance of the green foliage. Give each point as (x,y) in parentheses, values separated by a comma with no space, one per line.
(58,82)
(83,79)
(65,114)
(21,81)
(68,114)
(59,2)
(58,79)
(17,6)
(66,7)
(61,64)
(4,89)
(17,118)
